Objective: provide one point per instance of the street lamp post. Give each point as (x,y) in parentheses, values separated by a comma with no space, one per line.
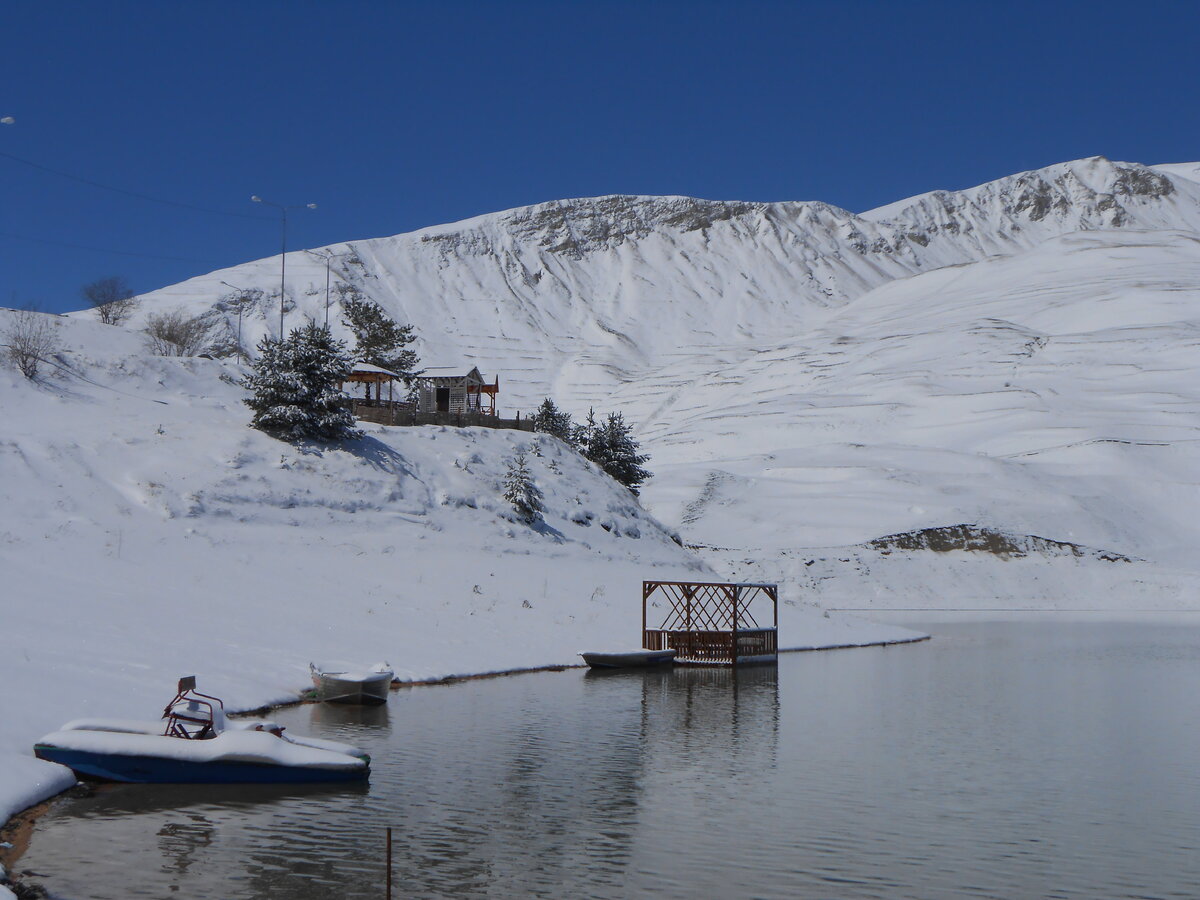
(242,294)
(329,257)
(283,211)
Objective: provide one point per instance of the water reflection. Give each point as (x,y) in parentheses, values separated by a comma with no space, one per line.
(351,718)
(997,760)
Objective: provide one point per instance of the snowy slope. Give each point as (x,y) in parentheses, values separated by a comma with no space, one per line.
(1018,356)
(577,297)
(146,533)
(1048,393)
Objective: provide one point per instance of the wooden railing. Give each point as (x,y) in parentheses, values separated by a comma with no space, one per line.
(715,647)
(406,414)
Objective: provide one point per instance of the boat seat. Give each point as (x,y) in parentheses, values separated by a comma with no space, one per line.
(192,715)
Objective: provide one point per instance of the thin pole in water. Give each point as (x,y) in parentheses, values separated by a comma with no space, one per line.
(389,863)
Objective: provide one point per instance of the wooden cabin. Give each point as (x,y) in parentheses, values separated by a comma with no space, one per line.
(708,623)
(444,389)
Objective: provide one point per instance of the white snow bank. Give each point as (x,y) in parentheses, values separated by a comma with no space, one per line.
(119,726)
(371,673)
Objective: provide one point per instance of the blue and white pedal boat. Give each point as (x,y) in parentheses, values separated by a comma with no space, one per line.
(197,747)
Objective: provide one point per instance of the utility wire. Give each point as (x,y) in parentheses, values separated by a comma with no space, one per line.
(191,259)
(116,190)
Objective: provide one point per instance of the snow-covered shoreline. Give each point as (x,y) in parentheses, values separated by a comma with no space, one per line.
(148,533)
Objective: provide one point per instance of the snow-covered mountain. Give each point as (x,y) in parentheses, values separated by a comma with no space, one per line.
(574,298)
(963,399)
(1019,356)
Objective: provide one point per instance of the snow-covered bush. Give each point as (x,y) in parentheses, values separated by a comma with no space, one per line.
(29,340)
(520,490)
(111,297)
(296,387)
(176,333)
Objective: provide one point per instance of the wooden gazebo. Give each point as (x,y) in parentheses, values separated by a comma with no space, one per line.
(367,375)
(709,623)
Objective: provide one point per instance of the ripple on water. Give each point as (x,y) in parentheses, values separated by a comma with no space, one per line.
(1039,760)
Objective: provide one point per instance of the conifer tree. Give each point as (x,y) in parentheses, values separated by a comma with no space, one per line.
(613,448)
(296,387)
(581,435)
(549,419)
(520,490)
(379,340)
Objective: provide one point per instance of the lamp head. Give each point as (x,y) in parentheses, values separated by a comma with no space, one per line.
(256,198)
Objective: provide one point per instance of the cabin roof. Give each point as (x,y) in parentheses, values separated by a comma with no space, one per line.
(451,374)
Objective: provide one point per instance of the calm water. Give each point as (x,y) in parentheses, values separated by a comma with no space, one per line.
(1008,759)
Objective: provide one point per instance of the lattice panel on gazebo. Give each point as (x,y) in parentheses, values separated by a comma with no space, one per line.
(705,607)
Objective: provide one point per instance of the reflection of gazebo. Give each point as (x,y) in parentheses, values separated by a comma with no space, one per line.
(367,375)
(447,390)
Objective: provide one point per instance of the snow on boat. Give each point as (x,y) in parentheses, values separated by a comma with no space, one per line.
(197,747)
(628,659)
(370,686)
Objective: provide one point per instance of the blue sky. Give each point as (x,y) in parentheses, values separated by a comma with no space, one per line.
(392,116)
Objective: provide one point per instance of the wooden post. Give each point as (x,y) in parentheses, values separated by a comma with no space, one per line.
(645,597)
(389,863)
(734,591)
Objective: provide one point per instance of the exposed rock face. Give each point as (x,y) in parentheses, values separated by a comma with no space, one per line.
(980,539)
(1078,196)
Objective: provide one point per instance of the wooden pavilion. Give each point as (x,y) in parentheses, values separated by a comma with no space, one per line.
(368,375)
(706,623)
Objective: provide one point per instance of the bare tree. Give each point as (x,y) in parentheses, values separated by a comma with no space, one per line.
(176,333)
(112,299)
(30,339)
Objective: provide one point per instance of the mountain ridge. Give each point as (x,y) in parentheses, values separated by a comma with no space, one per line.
(977,349)
(556,293)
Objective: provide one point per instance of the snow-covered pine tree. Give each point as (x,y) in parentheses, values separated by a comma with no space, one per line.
(549,419)
(612,447)
(296,387)
(380,341)
(521,492)
(581,435)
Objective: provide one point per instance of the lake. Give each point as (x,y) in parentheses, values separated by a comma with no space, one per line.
(1031,756)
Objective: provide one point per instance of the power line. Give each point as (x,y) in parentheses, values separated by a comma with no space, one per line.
(191,259)
(117,190)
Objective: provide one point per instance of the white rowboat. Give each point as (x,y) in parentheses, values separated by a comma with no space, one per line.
(629,659)
(370,686)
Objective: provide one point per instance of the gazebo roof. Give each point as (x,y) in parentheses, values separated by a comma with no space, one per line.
(366,372)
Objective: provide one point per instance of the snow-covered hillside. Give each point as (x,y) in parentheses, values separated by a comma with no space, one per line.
(146,533)
(1020,356)
(968,399)
(577,297)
